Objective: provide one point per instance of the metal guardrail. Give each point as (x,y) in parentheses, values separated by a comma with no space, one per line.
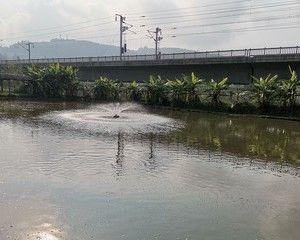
(246,53)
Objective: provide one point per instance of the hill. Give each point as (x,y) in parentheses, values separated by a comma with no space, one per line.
(60,48)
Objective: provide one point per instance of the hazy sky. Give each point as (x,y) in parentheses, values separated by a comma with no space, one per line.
(38,20)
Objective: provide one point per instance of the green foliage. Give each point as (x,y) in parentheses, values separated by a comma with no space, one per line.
(133,91)
(237,97)
(272,96)
(191,84)
(177,91)
(155,90)
(288,90)
(184,91)
(34,86)
(265,90)
(53,81)
(215,89)
(106,89)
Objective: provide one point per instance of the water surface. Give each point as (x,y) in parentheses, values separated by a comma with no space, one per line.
(70,171)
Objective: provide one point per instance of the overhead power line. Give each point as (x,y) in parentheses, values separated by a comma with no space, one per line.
(154,12)
(262,28)
(222,11)
(58,32)
(267,19)
(253,15)
(61,26)
(214,12)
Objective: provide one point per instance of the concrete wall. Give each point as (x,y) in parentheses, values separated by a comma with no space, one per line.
(238,73)
(238,69)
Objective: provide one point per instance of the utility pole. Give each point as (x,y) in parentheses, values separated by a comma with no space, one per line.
(157,38)
(123,28)
(27,46)
(122,20)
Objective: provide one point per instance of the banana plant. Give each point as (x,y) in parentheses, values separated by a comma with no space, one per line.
(265,90)
(133,91)
(177,90)
(215,89)
(191,84)
(155,90)
(106,89)
(288,90)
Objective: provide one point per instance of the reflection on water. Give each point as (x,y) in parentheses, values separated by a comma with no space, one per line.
(120,155)
(268,139)
(173,175)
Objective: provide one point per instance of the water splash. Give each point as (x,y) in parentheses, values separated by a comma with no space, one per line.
(113,118)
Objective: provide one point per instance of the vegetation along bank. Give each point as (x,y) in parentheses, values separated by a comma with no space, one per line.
(266,95)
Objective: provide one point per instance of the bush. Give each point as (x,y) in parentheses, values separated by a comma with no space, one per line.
(265,90)
(215,89)
(155,90)
(177,91)
(287,90)
(53,81)
(133,91)
(106,89)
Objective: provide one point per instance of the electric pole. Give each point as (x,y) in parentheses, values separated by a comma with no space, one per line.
(157,38)
(123,28)
(122,19)
(27,46)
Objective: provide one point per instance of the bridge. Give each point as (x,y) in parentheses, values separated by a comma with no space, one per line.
(238,65)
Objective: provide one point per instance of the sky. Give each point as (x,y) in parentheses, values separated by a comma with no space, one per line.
(189,24)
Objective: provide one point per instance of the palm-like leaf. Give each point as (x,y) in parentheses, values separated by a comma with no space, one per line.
(265,89)
(215,89)
(288,89)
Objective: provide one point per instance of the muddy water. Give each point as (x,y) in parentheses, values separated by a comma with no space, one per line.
(72,171)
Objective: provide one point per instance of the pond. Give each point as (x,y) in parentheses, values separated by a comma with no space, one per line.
(123,171)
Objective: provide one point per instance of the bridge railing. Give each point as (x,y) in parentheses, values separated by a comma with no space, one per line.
(257,52)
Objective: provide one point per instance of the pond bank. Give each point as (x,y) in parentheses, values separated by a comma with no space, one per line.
(220,111)
(270,116)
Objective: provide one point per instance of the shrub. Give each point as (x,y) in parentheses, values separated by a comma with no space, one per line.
(155,90)
(191,84)
(106,89)
(52,81)
(265,90)
(177,91)
(215,89)
(288,90)
(133,91)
